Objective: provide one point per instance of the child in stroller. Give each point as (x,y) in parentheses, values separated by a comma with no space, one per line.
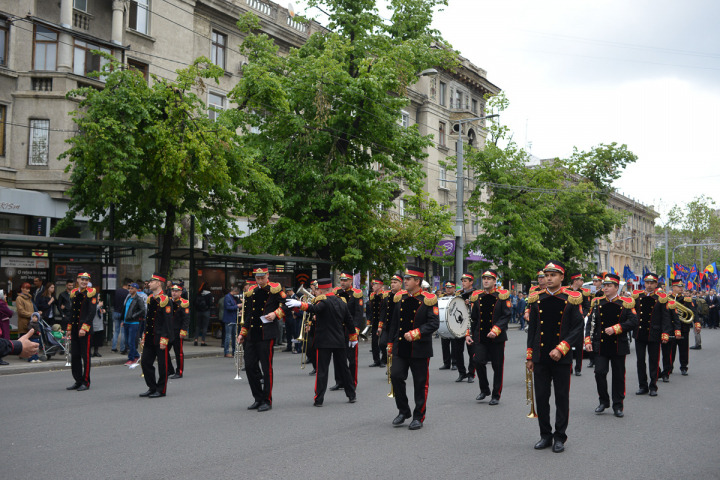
(52,341)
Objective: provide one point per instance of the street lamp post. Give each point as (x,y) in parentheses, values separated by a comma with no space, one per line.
(460,194)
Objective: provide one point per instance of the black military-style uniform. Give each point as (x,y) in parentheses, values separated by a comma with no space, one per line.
(181,323)
(654,326)
(491,312)
(83,308)
(611,350)
(260,336)
(555,322)
(158,330)
(448,356)
(354,298)
(577,349)
(373,314)
(386,313)
(332,320)
(417,314)
(460,346)
(681,344)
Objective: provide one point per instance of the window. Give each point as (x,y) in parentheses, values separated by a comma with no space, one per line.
(85,61)
(80,5)
(475,227)
(443,91)
(39,145)
(139,15)
(140,67)
(458,99)
(405,119)
(45,48)
(216,101)
(441,131)
(442,182)
(403,204)
(217,55)
(474,106)
(4,33)
(3,112)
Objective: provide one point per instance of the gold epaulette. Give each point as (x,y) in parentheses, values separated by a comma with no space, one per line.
(628,302)
(596,300)
(250,290)
(574,298)
(662,297)
(671,304)
(371,296)
(73,292)
(275,287)
(357,293)
(148,299)
(688,299)
(503,294)
(398,295)
(385,294)
(534,296)
(475,295)
(459,293)
(430,299)
(163,300)
(586,291)
(184,303)
(319,298)
(91,292)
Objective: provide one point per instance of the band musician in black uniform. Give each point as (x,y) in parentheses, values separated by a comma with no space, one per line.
(576,285)
(332,320)
(468,373)
(446,343)
(264,306)
(611,318)
(597,284)
(157,337)
(386,313)
(181,323)
(372,315)
(555,324)
(83,308)
(413,324)
(682,335)
(491,312)
(354,298)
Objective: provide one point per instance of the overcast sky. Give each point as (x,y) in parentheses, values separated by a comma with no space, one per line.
(644,73)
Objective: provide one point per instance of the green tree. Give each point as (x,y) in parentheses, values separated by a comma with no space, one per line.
(326,121)
(153,152)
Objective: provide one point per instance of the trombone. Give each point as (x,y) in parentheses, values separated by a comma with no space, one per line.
(389,366)
(239,350)
(529,393)
(303,338)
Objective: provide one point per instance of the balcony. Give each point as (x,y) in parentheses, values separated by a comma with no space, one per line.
(81,20)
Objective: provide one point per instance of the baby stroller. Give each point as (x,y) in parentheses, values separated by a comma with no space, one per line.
(50,346)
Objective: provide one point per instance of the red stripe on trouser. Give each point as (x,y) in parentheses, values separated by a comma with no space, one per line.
(502,372)
(317,362)
(427,385)
(624,375)
(87,361)
(657,370)
(181,361)
(270,370)
(570,376)
(166,371)
(355,374)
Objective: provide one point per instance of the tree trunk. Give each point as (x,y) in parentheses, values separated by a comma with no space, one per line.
(167,240)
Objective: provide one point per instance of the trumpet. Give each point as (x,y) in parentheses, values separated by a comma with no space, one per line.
(67,352)
(239,350)
(389,366)
(307,297)
(529,393)
(684,314)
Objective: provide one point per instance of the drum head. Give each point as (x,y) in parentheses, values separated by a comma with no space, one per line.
(457,317)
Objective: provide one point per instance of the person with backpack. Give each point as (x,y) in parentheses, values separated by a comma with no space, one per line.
(702,310)
(203,304)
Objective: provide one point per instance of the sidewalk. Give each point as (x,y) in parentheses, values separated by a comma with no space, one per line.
(21,365)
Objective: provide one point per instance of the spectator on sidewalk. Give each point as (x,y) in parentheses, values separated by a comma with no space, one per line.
(521,310)
(98,329)
(47,304)
(289,323)
(37,289)
(133,309)
(34,325)
(514,300)
(117,317)
(230,312)
(5,315)
(203,304)
(64,304)
(25,309)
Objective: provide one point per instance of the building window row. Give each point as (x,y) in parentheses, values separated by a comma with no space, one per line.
(458,99)
(139,16)
(4,40)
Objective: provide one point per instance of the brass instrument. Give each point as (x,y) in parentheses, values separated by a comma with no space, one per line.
(684,314)
(67,351)
(389,367)
(239,350)
(529,393)
(307,297)
(141,344)
(364,334)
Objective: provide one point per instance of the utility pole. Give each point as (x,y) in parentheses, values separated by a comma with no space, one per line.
(667,269)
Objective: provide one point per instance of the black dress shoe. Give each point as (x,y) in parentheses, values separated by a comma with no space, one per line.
(313,372)
(666,378)
(82,388)
(558,446)
(415,425)
(383,365)
(264,407)
(3,362)
(453,367)
(460,378)
(653,393)
(148,393)
(156,395)
(376,364)
(400,419)
(481,396)
(642,391)
(471,379)
(494,401)
(352,400)
(601,408)
(254,406)
(316,404)
(171,373)
(577,373)
(335,387)
(696,347)
(74,386)
(619,413)
(683,371)
(177,375)
(444,367)
(543,443)
(591,365)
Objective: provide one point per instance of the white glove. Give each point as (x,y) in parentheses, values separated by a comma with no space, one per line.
(352,344)
(292,303)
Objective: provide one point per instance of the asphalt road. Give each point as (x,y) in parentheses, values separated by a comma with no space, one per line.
(203,430)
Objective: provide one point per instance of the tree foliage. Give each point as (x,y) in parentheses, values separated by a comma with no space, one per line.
(153,152)
(326,121)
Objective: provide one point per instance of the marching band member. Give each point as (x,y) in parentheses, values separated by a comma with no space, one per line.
(467,280)
(373,314)
(446,343)
(606,335)
(354,298)
(388,308)
(181,324)
(682,334)
(555,324)
(156,338)
(536,288)
(576,282)
(490,316)
(84,306)
(414,321)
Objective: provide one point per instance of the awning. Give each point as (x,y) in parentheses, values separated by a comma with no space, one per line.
(184,254)
(68,245)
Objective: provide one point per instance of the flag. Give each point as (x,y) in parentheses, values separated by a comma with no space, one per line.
(612,269)
(671,272)
(693,273)
(712,268)
(629,274)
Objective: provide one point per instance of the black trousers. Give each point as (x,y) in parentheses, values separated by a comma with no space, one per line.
(683,346)
(458,350)
(447,352)
(578,357)
(668,357)
(352,359)
(379,354)
(494,353)
(149,354)
(398,375)
(602,367)
(177,347)
(554,376)
(80,356)
(339,358)
(312,355)
(653,354)
(259,355)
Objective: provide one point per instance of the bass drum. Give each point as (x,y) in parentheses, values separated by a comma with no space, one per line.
(454,317)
